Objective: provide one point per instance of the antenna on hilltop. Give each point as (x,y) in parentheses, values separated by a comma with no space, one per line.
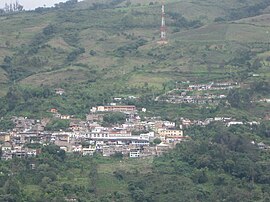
(163,40)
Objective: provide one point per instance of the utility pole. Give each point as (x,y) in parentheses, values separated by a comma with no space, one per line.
(268,39)
(163,40)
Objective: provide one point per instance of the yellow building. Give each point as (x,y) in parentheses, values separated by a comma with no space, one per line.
(165,133)
(4,137)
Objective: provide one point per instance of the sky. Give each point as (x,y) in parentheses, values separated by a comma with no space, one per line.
(32,4)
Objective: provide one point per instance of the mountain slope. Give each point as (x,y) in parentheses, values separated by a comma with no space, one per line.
(114,43)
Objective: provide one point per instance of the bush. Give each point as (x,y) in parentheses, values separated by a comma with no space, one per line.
(74,54)
(114,118)
(57,124)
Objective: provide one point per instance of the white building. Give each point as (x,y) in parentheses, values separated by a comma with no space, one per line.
(134,153)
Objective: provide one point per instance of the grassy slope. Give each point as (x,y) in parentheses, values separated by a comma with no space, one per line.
(193,54)
(106,182)
(94,25)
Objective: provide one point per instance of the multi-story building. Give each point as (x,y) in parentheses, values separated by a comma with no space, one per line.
(170,136)
(117,108)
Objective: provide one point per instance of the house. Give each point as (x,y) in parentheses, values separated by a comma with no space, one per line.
(28,137)
(89,151)
(119,132)
(134,153)
(23,123)
(7,155)
(140,141)
(65,117)
(117,108)
(94,117)
(117,99)
(31,152)
(53,110)
(77,148)
(234,123)
(253,123)
(171,136)
(113,149)
(263,146)
(59,91)
(170,133)
(98,133)
(168,124)
(267,117)
(65,148)
(4,137)
(57,115)
(175,140)
(139,126)
(150,135)
(71,199)
(161,148)
(7,146)
(147,151)
(38,127)
(19,154)
(77,125)
(186,122)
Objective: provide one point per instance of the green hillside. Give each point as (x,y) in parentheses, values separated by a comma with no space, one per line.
(112,45)
(221,164)
(96,50)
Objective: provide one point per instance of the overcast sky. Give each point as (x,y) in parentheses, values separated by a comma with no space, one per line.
(32,4)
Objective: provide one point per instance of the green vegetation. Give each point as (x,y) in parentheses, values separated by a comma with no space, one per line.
(114,118)
(58,124)
(96,50)
(6,124)
(218,164)
(156,141)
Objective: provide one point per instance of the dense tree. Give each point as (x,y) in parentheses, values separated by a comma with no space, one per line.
(261,87)
(239,98)
(156,141)
(114,118)
(181,22)
(49,30)
(12,190)
(74,54)
(54,151)
(13,7)
(6,124)
(57,124)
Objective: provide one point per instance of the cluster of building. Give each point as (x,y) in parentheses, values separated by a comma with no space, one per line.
(266,100)
(133,138)
(228,121)
(214,86)
(193,94)
(262,146)
(205,98)
(10,151)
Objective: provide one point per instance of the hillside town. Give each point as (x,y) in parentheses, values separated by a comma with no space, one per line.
(129,133)
(209,93)
(132,138)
